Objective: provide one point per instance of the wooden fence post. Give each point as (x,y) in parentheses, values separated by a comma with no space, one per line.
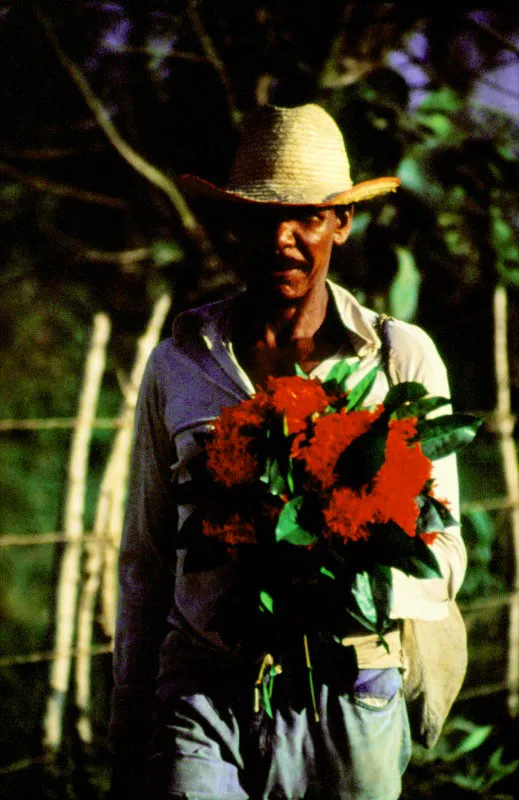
(122,457)
(505,427)
(102,551)
(70,567)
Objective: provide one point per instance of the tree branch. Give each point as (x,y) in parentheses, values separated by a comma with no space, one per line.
(42,154)
(151,173)
(42,184)
(122,257)
(504,40)
(215,60)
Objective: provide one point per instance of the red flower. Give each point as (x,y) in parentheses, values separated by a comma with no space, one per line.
(229,451)
(402,477)
(430,537)
(298,398)
(349,513)
(234,532)
(232,459)
(332,434)
(393,496)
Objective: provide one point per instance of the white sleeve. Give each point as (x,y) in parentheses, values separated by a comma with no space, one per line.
(416,358)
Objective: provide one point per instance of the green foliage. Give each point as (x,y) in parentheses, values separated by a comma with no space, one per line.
(404,292)
(339,374)
(401,395)
(266,601)
(506,247)
(420,407)
(480,535)
(361,390)
(365,600)
(437,113)
(289,528)
(165,253)
(443,435)
(457,759)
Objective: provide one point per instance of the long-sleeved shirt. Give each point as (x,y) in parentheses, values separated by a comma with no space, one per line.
(172,618)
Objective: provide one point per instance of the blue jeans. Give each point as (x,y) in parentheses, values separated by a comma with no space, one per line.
(358,749)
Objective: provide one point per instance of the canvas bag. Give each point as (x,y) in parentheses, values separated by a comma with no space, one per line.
(435,651)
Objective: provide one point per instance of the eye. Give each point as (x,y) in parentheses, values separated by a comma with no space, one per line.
(310,215)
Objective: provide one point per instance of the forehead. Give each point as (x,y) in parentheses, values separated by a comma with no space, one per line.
(267,214)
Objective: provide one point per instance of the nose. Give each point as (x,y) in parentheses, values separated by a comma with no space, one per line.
(284,234)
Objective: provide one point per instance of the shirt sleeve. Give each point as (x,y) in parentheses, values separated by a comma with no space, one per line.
(416,359)
(146,569)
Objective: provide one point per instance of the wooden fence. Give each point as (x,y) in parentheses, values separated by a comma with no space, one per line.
(87,571)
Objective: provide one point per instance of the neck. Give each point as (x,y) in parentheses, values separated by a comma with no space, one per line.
(271,344)
(292,321)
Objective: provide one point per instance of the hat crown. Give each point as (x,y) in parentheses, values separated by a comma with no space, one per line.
(290,155)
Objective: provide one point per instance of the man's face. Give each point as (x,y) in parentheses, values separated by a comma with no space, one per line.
(287,250)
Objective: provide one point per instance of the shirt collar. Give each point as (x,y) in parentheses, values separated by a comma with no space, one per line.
(359,321)
(213,321)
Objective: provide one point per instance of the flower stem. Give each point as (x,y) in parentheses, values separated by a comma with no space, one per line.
(310,677)
(267,661)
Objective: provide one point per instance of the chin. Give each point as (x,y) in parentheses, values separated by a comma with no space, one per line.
(281,295)
(285,286)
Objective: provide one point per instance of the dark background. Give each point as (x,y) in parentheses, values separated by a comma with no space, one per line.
(427,91)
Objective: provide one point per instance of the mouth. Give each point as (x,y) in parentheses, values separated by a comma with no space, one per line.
(284,266)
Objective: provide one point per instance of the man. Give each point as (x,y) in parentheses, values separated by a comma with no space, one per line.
(183,629)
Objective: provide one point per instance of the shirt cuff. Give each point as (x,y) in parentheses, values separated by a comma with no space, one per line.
(418,598)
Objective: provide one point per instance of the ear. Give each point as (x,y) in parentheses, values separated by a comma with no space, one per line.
(344,223)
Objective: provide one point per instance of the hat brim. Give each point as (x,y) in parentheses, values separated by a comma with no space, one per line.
(366,190)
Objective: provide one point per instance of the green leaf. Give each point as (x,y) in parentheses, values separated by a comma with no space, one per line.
(340,372)
(382,590)
(300,372)
(405,286)
(285,425)
(401,393)
(420,408)
(483,526)
(266,601)
(327,572)
(266,700)
(473,783)
(273,477)
(501,231)
(508,275)
(497,765)
(288,528)
(372,593)
(361,591)
(444,435)
(412,175)
(361,390)
(394,548)
(166,253)
(444,99)
(434,515)
(361,221)
(361,460)
(472,741)
(439,124)
(290,476)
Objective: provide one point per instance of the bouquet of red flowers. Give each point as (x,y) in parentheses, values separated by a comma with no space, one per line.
(329,495)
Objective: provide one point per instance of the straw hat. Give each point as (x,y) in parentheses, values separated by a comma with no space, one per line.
(291,156)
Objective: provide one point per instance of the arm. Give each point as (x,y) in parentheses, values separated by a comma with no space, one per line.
(416,359)
(146,578)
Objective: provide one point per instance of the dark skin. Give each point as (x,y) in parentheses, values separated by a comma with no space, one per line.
(285,316)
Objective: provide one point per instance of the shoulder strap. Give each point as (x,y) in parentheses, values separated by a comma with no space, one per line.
(387,360)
